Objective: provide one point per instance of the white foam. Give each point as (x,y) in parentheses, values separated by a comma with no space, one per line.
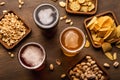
(32,55)
(45,16)
(71,39)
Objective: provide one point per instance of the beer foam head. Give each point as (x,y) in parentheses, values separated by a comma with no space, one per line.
(32,55)
(45,16)
(71,39)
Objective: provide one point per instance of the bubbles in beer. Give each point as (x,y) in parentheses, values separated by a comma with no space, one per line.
(32,55)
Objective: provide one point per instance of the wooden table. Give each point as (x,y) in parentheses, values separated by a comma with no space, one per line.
(11,68)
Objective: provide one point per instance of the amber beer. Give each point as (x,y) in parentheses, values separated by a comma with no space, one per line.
(32,56)
(72,40)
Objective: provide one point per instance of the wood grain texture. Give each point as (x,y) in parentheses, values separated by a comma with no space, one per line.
(11,68)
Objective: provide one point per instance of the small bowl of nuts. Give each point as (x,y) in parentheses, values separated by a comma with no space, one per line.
(87,69)
(12,30)
(88,7)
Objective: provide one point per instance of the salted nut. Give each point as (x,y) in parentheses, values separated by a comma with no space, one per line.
(2,3)
(87,70)
(12,29)
(62,4)
(63,76)
(51,67)
(106,65)
(116,64)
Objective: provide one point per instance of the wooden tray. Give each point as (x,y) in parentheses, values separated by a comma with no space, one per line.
(109,13)
(28,30)
(80,12)
(105,73)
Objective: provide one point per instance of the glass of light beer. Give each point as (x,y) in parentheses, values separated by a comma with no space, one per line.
(72,40)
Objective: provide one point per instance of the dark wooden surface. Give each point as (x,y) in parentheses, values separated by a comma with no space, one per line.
(10,69)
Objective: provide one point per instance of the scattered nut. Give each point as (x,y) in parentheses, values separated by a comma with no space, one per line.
(88,57)
(58,62)
(116,64)
(5,11)
(63,17)
(71,23)
(12,55)
(106,65)
(63,76)
(20,3)
(51,67)
(62,4)
(68,21)
(20,6)
(2,3)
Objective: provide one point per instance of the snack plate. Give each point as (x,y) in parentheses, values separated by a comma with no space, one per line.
(28,30)
(108,13)
(80,12)
(83,59)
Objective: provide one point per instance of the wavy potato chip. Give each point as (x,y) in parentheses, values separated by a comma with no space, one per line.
(105,29)
(101,20)
(108,22)
(109,55)
(106,47)
(91,22)
(118,31)
(117,44)
(114,55)
(108,33)
(87,44)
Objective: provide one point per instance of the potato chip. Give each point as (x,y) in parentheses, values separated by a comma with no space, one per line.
(112,35)
(84,8)
(81,1)
(96,27)
(103,29)
(108,33)
(118,44)
(87,44)
(109,55)
(74,6)
(71,0)
(91,6)
(92,21)
(90,3)
(106,47)
(118,31)
(109,21)
(114,55)
(101,20)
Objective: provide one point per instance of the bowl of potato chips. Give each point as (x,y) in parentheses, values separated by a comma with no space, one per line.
(81,6)
(102,28)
